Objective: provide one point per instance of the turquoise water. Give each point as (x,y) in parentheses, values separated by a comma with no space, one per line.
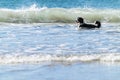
(40,40)
(61,3)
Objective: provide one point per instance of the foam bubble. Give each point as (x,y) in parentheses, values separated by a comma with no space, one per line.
(38,58)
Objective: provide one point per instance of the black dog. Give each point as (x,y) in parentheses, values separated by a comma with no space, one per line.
(87,26)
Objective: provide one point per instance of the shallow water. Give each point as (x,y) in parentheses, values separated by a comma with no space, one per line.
(59,52)
(57,71)
(58,38)
(58,42)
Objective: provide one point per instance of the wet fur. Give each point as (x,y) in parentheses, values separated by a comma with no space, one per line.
(87,26)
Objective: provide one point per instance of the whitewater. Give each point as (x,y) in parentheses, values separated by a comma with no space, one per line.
(54,23)
(40,40)
(57,15)
(37,59)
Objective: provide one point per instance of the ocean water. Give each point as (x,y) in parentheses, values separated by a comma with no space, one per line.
(40,40)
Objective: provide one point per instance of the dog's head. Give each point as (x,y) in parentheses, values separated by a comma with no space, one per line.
(98,23)
(80,20)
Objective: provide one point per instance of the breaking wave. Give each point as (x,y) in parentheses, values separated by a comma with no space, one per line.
(57,15)
(37,58)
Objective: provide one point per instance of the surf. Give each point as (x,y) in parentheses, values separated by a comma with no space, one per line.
(38,58)
(34,14)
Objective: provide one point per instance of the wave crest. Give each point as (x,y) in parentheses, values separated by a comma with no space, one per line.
(55,15)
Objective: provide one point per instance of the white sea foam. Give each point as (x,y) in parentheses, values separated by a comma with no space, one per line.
(37,58)
(53,15)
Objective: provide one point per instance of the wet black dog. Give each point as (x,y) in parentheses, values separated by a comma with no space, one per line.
(87,26)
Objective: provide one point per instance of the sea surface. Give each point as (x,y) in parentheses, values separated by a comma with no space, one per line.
(40,40)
